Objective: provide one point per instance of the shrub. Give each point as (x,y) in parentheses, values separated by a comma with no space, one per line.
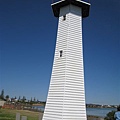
(110,116)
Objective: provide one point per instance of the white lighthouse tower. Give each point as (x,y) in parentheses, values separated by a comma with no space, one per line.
(66,96)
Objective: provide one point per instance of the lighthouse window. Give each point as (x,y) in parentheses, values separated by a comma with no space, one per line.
(64,17)
(61,52)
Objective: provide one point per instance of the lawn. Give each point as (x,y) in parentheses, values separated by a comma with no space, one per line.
(8,114)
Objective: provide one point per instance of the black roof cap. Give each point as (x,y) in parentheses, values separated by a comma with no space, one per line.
(84,5)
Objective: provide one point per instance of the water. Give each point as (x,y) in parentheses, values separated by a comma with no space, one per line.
(41,108)
(99,111)
(102,112)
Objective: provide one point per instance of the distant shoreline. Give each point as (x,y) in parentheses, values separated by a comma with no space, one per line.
(87,105)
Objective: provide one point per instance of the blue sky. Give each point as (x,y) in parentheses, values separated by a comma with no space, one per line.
(27,41)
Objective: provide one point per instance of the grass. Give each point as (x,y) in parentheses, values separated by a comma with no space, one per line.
(8,114)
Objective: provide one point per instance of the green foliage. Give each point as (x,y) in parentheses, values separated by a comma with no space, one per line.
(110,116)
(4,116)
(2,95)
(7,97)
(34,99)
(24,99)
(8,114)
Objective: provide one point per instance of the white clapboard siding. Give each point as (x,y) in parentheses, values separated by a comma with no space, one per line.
(66,96)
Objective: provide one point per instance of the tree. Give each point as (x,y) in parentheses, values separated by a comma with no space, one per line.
(31,101)
(7,97)
(2,95)
(24,98)
(19,99)
(34,99)
(37,100)
(110,116)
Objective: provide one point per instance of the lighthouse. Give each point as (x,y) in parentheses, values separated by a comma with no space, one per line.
(66,95)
